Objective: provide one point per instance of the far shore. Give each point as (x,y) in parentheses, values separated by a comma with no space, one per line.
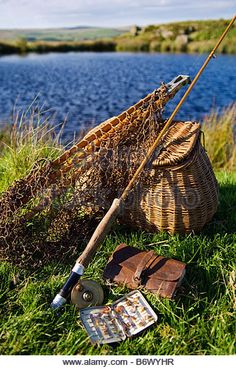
(12,48)
(186,37)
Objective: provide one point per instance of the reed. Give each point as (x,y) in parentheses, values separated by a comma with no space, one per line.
(29,139)
(220,137)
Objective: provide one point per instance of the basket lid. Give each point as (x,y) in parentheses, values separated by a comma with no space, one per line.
(178,143)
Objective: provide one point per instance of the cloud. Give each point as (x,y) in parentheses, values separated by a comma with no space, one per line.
(50,13)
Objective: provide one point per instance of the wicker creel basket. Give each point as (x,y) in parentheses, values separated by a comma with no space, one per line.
(182,193)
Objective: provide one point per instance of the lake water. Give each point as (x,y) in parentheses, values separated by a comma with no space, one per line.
(87,88)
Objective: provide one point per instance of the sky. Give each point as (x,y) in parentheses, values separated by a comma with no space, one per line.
(108,13)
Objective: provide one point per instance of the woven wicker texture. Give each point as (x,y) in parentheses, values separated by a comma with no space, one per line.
(182,193)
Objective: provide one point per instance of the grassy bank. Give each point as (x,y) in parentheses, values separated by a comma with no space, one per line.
(200,321)
(23,47)
(189,36)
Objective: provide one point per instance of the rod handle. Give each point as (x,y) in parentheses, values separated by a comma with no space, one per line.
(100,233)
(74,277)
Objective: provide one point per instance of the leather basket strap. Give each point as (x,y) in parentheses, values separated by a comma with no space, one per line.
(143,263)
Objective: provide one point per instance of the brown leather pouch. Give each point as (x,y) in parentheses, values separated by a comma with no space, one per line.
(134,268)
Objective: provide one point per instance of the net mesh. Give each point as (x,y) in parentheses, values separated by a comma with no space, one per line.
(48,214)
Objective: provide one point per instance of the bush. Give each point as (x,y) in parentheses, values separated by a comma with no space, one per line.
(155,46)
(167,46)
(8,48)
(22,45)
(132,45)
(90,45)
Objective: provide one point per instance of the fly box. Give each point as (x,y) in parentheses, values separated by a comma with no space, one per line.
(124,318)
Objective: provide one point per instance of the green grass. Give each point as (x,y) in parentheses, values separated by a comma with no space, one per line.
(200,321)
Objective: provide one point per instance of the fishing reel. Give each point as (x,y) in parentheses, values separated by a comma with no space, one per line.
(87,293)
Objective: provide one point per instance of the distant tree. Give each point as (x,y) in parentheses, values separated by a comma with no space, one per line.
(134,30)
(22,45)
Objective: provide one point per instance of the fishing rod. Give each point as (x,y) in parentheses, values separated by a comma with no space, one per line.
(106,223)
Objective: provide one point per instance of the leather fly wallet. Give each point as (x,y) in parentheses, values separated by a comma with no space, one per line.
(136,268)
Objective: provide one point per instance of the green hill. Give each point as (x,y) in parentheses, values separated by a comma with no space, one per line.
(61,34)
(188,36)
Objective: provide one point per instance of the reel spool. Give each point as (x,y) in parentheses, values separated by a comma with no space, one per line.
(87,293)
